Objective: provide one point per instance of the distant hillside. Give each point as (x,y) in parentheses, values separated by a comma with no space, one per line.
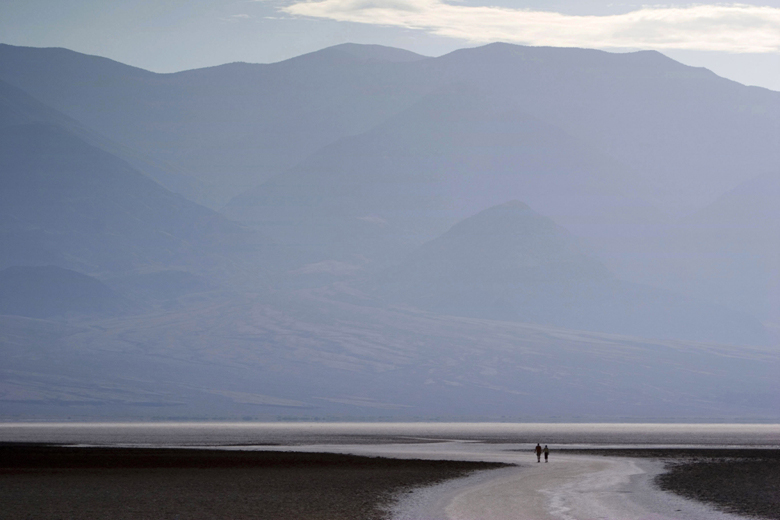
(729,252)
(18,107)
(688,134)
(330,237)
(231,126)
(243,123)
(510,263)
(48,291)
(450,155)
(65,202)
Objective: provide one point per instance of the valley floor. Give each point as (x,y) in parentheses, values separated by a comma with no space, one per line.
(398,481)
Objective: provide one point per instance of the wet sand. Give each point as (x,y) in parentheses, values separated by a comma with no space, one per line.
(739,481)
(49,482)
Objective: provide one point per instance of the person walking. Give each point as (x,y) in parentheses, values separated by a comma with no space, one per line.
(538,451)
(546,453)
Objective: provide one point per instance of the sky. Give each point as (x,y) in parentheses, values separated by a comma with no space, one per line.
(740,41)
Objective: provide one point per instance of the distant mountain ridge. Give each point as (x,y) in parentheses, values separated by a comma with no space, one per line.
(378,270)
(452,154)
(368,52)
(66,202)
(235,121)
(664,139)
(18,107)
(247,122)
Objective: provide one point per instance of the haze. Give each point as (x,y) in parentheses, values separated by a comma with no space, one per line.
(502,231)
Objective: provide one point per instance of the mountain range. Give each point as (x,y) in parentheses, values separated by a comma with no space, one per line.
(364,230)
(243,123)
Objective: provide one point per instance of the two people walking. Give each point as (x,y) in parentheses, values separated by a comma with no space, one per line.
(539,452)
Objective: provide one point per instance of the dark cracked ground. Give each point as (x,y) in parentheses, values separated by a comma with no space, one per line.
(50,482)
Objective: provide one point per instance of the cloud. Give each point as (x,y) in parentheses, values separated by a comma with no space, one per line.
(234,18)
(729,28)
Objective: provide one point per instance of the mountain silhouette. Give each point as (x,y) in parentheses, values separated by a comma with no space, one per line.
(407,180)
(508,262)
(365,52)
(385,286)
(243,123)
(66,202)
(239,122)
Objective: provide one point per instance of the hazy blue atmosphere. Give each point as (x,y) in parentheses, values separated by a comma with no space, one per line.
(264,221)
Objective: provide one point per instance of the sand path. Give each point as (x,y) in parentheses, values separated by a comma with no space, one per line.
(569,487)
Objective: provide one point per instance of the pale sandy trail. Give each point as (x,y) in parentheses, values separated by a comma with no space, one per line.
(570,487)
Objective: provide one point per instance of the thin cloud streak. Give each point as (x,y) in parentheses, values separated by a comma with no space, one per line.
(728,28)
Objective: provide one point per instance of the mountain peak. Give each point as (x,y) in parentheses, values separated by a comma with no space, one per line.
(357,53)
(377,52)
(570,57)
(513,222)
(500,244)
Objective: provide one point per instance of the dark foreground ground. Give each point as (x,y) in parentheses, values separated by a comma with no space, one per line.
(740,481)
(49,482)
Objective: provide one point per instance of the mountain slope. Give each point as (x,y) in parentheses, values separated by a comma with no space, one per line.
(47,291)
(452,154)
(18,107)
(68,203)
(230,127)
(510,263)
(688,134)
(729,252)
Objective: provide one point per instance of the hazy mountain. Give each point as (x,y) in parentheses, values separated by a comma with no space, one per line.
(242,123)
(651,133)
(229,126)
(48,291)
(367,52)
(729,252)
(688,133)
(65,202)
(18,107)
(410,299)
(450,155)
(508,262)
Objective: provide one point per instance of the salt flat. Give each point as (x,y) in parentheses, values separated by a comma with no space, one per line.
(569,487)
(572,487)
